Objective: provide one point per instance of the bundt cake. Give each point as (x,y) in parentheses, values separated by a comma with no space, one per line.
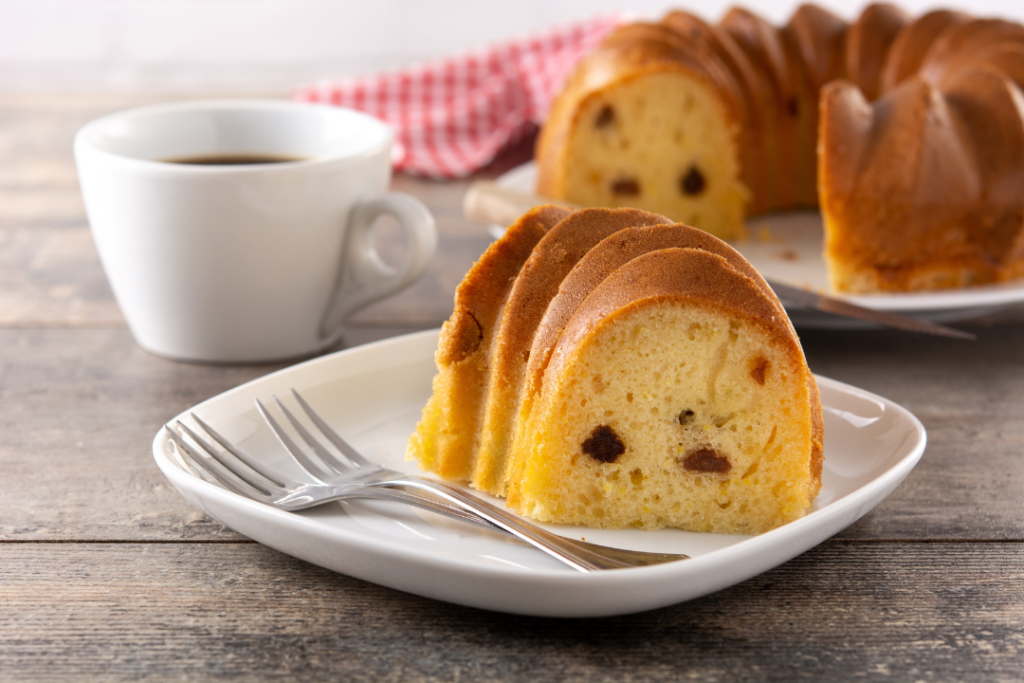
(908,133)
(638,374)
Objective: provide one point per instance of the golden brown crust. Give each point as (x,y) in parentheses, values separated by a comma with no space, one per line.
(920,198)
(762,45)
(607,256)
(846,121)
(816,38)
(821,39)
(446,436)
(1005,59)
(767,52)
(946,210)
(691,274)
(961,44)
(480,295)
(552,259)
(992,124)
(537,282)
(911,45)
(817,436)
(868,43)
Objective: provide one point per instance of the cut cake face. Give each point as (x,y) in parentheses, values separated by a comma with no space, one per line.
(673,406)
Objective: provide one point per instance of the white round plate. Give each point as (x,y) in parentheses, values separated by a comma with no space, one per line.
(373,396)
(787,247)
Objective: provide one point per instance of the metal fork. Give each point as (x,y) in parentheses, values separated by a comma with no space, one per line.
(335,479)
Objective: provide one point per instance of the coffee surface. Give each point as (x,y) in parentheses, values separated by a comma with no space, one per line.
(233,159)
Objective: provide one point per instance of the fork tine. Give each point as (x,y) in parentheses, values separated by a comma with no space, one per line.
(212,466)
(311,468)
(233,467)
(325,455)
(260,468)
(342,445)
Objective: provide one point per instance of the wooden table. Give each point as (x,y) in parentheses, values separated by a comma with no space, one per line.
(107,573)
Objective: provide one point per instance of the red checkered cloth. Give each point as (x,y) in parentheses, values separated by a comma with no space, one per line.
(452,116)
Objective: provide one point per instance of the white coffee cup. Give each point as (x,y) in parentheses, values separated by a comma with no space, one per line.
(247,262)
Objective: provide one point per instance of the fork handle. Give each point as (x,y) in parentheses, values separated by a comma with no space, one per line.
(574,553)
(632,558)
(414,500)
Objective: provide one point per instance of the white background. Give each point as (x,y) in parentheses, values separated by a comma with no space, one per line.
(272,45)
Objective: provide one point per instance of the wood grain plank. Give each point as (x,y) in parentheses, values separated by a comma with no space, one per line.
(201,612)
(934,376)
(51,277)
(970,398)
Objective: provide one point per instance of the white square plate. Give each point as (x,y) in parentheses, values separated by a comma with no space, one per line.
(373,395)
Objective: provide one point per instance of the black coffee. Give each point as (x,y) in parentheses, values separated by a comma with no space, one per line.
(234,159)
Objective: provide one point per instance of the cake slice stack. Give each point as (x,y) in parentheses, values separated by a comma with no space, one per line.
(627,373)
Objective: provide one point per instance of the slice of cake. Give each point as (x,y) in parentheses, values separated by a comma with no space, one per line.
(446,437)
(592,269)
(675,397)
(616,370)
(646,122)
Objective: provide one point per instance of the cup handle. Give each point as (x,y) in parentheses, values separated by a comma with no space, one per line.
(364,277)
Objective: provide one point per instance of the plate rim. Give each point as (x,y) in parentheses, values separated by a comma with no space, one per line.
(769,549)
(985,298)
